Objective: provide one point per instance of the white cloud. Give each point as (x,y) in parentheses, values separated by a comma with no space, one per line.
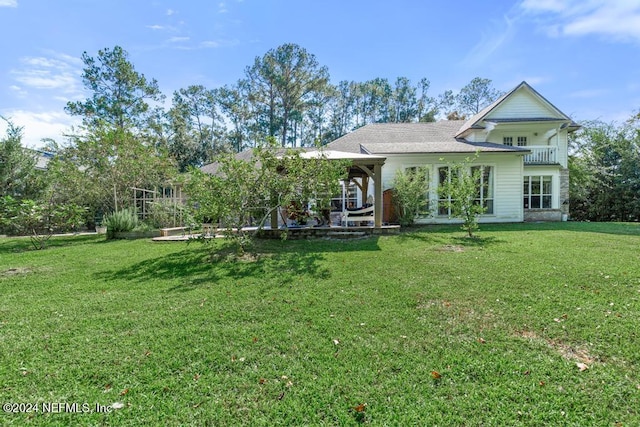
(178,39)
(8,3)
(210,44)
(219,43)
(544,5)
(156,27)
(613,19)
(222,8)
(170,12)
(56,72)
(39,125)
(499,32)
(18,91)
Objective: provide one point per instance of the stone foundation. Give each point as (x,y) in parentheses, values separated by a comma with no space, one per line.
(564,191)
(543,215)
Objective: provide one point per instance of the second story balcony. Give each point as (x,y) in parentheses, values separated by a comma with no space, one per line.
(541,155)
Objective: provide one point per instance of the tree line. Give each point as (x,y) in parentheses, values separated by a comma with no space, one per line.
(128,139)
(604,171)
(285,94)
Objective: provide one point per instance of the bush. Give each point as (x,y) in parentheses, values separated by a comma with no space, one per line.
(124,220)
(166,213)
(410,189)
(39,219)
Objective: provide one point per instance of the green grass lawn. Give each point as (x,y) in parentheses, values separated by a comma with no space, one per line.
(423,328)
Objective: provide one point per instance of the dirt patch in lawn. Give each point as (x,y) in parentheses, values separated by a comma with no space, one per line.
(576,353)
(451,248)
(15,271)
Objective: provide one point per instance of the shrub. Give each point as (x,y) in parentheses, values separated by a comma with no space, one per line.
(124,220)
(165,213)
(410,189)
(39,219)
(459,193)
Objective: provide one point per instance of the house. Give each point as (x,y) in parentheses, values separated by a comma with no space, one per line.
(42,159)
(521,145)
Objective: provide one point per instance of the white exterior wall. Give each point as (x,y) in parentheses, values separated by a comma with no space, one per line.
(563,147)
(521,104)
(507,185)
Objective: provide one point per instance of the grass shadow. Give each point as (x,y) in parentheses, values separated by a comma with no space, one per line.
(17,244)
(442,234)
(196,266)
(477,241)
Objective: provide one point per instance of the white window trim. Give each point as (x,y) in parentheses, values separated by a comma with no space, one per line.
(436,181)
(555,188)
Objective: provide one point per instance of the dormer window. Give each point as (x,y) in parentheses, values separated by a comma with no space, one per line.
(522,141)
(507,140)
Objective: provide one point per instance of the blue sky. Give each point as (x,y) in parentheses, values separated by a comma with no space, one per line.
(582,55)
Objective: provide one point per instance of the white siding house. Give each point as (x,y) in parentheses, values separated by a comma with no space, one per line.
(521,145)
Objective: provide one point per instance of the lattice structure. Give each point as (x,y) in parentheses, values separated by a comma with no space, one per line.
(170,200)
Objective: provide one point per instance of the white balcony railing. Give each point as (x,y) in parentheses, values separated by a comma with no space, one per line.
(547,155)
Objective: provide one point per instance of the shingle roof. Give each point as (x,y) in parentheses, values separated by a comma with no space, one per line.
(407,138)
(453,146)
(212,168)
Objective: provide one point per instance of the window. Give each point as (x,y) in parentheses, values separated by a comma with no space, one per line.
(521,141)
(484,196)
(484,189)
(537,192)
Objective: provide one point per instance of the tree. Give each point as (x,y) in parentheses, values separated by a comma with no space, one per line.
(405,103)
(233,104)
(119,92)
(115,151)
(476,95)
(605,172)
(427,106)
(194,121)
(459,193)
(446,103)
(341,110)
(100,169)
(39,219)
(18,175)
(314,128)
(410,191)
(281,83)
(376,100)
(247,190)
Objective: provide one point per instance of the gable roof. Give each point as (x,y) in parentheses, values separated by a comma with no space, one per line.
(413,138)
(474,122)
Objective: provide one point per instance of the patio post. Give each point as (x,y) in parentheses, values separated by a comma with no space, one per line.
(377,183)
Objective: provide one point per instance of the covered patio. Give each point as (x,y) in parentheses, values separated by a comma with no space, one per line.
(364,169)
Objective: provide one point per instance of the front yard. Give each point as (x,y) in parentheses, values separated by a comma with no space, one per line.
(532,324)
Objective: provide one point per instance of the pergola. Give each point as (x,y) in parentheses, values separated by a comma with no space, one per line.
(364,166)
(367,167)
